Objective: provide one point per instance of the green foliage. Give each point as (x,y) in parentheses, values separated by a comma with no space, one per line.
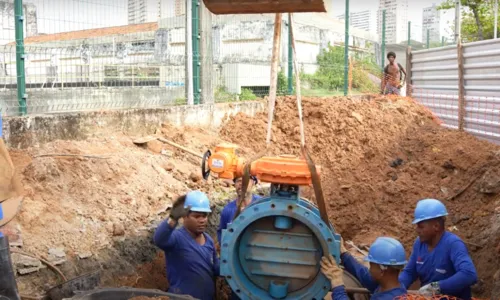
(330,74)
(247,94)
(477,22)
(222,95)
(282,87)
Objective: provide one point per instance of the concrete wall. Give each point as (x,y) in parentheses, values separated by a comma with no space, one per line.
(23,132)
(84,99)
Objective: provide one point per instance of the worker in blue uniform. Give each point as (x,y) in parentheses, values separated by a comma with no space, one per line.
(439,258)
(229,211)
(192,262)
(386,257)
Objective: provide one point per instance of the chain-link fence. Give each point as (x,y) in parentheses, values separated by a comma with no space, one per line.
(87,55)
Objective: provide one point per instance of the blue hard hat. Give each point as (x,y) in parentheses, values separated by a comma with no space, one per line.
(387,251)
(429,209)
(198,201)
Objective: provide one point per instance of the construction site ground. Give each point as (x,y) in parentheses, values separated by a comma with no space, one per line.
(98,210)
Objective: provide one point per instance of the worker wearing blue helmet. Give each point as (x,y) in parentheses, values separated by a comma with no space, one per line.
(192,262)
(386,257)
(439,258)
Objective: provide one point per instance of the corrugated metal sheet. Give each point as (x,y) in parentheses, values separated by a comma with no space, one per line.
(436,85)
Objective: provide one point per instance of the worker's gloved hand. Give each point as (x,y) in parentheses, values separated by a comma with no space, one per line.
(343,249)
(178,211)
(430,289)
(333,272)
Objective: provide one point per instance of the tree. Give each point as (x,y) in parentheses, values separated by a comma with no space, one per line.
(477,18)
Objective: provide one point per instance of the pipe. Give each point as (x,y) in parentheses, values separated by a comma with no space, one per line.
(189,55)
(195,28)
(409,33)
(290,56)
(20,56)
(8,286)
(355,290)
(383,42)
(496,19)
(346,48)
(428,38)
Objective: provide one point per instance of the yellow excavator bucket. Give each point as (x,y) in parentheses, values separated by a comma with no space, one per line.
(226,7)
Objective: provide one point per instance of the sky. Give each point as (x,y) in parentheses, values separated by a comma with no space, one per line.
(358,5)
(67,15)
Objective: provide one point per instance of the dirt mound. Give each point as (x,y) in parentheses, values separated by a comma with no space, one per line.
(85,207)
(379,157)
(116,188)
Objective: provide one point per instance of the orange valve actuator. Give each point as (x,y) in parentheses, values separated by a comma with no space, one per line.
(224,161)
(284,169)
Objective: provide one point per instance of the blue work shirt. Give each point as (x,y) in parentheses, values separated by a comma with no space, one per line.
(191,267)
(362,274)
(448,263)
(227,215)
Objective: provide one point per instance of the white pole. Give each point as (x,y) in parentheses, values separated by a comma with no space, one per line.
(496,18)
(457,21)
(189,55)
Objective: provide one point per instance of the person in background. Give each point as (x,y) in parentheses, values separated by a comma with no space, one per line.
(386,257)
(439,258)
(393,74)
(192,262)
(229,211)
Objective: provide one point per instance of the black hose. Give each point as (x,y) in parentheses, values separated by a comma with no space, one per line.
(8,286)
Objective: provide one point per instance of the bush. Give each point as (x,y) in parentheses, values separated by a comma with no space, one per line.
(247,94)
(330,73)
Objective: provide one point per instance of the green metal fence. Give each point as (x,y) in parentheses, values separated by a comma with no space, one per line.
(86,55)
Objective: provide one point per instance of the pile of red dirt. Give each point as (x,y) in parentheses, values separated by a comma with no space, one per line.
(379,156)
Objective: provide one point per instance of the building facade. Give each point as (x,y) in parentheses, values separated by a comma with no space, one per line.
(431,24)
(143,11)
(396,20)
(365,20)
(8,25)
(438,22)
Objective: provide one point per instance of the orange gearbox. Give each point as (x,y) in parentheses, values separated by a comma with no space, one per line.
(284,169)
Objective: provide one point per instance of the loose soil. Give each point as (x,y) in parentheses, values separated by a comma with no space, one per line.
(101,210)
(378,158)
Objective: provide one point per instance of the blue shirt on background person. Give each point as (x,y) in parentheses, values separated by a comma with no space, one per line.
(229,211)
(227,215)
(449,264)
(439,258)
(386,257)
(362,274)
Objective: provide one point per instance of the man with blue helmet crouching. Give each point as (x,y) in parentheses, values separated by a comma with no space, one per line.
(192,262)
(439,258)
(386,257)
